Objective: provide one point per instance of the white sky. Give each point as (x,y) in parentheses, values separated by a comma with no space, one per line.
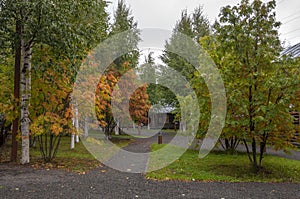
(164,13)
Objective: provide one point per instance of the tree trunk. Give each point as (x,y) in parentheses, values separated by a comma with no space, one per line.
(2,132)
(255,165)
(139,129)
(77,124)
(248,151)
(25,100)
(262,151)
(18,54)
(73,134)
(72,141)
(227,144)
(117,132)
(86,127)
(184,127)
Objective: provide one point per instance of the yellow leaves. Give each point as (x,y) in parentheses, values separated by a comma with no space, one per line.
(50,98)
(56,129)
(50,122)
(102,122)
(37,126)
(69,113)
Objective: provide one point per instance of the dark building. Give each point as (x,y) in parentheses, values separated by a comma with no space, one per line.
(162,118)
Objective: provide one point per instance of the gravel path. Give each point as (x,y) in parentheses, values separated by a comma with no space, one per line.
(26,182)
(16,182)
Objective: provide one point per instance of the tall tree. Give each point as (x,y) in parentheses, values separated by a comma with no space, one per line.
(123,23)
(260,84)
(194,26)
(151,72)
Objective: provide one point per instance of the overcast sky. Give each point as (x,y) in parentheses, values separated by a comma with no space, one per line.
(164,13)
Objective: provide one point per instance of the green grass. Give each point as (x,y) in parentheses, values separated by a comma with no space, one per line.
(75,160)
(220,166)
(99,135)
(168,131)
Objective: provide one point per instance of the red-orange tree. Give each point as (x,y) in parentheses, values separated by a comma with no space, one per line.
(109,90)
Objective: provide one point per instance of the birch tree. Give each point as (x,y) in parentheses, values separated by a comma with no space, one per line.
(70,27)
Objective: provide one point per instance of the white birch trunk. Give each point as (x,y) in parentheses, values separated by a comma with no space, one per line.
(148,123)
(86,127)
(72,141)
(182,126)
(25,100)
(117,128)
(77,124)
(73,134)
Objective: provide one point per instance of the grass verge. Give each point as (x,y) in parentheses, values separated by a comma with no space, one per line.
(77,160)
(220,166)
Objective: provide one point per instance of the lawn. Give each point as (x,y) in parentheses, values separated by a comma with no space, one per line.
(76,160)
(220,166)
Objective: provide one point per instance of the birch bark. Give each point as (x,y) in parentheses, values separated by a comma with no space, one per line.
(25,100)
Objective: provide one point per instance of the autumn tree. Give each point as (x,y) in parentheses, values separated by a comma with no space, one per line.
(51,110)
(260,83)
(70,28)
(139,107)
(127,96)
(123,23)
(7,112)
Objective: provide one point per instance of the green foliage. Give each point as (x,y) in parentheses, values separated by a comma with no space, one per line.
(6,87)
(195,26)
(123,21)
(158,94)
(59,34)
(260,83)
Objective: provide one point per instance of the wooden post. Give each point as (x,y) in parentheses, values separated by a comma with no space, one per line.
(159,138)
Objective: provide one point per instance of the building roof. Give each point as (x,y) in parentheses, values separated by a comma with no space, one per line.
(294,51)
(162,109)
